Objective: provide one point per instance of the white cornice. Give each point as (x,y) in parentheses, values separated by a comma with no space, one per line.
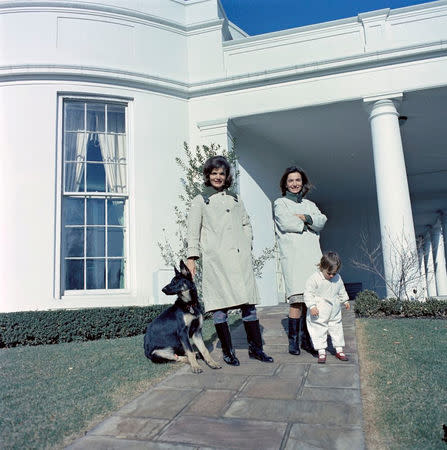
(187,90)
(117,12)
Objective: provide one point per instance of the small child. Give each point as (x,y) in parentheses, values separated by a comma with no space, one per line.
(324,293)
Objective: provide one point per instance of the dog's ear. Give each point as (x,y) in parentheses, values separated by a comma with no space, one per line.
(176,271)
(184,270)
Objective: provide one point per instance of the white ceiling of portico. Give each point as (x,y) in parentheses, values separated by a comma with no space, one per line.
(333,144)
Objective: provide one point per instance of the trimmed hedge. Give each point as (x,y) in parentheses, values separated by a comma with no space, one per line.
(368,304)
(54,327)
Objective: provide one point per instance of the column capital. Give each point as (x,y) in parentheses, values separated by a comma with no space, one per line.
(383,104)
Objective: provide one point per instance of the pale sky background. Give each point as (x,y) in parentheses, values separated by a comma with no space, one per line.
(264,16)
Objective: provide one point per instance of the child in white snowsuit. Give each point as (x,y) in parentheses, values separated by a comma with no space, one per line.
(324,293)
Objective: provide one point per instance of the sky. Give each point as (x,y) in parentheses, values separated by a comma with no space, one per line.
(264,16)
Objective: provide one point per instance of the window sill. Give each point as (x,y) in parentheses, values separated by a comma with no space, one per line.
(97,293)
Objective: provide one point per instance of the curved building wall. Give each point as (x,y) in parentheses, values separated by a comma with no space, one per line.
(52,53)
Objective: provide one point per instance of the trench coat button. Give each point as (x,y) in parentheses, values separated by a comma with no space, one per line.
(238,250)
(228,210)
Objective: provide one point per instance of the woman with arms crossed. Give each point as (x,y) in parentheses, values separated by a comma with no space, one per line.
(298,223)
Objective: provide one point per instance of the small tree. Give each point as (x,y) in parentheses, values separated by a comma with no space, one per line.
(192,181)
(406,280)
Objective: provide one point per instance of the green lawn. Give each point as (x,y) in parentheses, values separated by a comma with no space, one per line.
(406,365)
(51,393)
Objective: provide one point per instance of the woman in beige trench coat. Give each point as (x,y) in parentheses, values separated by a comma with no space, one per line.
(298,223)
(219,232)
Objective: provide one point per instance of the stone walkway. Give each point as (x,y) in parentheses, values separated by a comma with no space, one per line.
(293,403)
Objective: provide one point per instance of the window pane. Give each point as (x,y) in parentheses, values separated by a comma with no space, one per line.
(116,119)
(115,212)
(74,211)
(95,241)
(74,241)
(115,242)
(74,274)
(115,273)
(74,116)
(116,178)
(95,117)
(96,269)
(96,178)
(74,177)
(96,211)
(75,146)
(94,152)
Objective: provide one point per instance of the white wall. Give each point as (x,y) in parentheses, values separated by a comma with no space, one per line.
(30,162)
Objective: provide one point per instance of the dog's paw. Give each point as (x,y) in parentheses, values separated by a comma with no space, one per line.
(214,365)
(196,369)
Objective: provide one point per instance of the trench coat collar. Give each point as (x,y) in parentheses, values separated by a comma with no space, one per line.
(297,198)
(208,191)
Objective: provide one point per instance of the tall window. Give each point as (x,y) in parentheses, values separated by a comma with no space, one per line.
(95,196)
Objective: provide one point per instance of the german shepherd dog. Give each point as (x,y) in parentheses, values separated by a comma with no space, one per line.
(170,336)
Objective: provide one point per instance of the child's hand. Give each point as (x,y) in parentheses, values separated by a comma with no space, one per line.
(348,306)
(314,311)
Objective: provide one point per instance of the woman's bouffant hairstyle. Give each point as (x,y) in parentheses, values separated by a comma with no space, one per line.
(307,186)
(330,261)
(217,162)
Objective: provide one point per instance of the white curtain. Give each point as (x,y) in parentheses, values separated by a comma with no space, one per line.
(113,150)
(75,170)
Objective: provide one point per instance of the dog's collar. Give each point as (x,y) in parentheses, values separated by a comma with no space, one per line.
(208,191)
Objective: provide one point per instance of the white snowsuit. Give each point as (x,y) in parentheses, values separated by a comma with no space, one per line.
(327,296)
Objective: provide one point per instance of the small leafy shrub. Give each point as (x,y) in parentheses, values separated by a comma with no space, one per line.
(54,327)
(391,306)
(368,304)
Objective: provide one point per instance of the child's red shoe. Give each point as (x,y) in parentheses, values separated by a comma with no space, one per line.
(321,359)
(341,356)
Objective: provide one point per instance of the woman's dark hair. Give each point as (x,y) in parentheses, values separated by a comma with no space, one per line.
(307,186)
(330,261)
(217,162)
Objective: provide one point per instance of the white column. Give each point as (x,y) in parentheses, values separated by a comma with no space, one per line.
(393,197)
(439,257)
(429,266)
(421,260)
(443,217)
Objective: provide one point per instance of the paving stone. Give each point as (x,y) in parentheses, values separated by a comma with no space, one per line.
(129,427)
(214,380)
(225,433)
(249,367)
(333,394)
(293,371)
(270,387)
(108,443)
(306,411)
(159,403)
(311,437)
(342,376)
(211,403)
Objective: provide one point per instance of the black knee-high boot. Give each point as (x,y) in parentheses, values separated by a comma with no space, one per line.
(223,333)
(294,336)
(254,340)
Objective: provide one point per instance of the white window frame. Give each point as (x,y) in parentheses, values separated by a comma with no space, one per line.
(59,269)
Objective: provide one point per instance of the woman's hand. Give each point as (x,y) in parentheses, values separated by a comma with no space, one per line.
(301,216)
(314,311)
(191,265)
(348,306)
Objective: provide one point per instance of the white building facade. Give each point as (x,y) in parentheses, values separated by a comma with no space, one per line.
(98,98)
